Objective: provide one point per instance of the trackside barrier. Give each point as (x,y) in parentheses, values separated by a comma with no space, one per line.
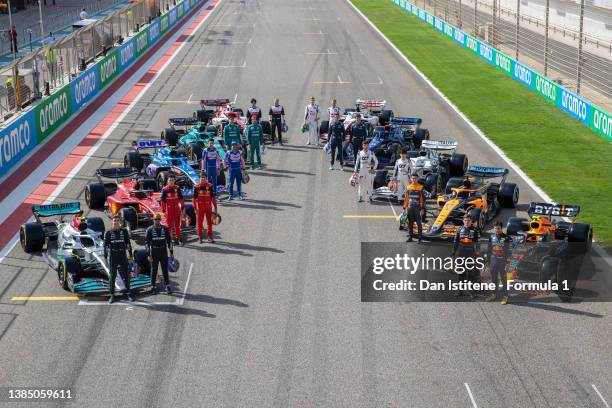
(32,128)
(592,116)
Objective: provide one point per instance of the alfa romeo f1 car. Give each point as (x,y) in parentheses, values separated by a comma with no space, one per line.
(131,196)
(75,250)
(220,116)
(480,194)
(548,246)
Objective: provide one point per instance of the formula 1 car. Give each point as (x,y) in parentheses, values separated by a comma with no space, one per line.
(476,195)
(548,247)
(131,196)
(220,117)
(372,112)
(190,137)
(163,162)
(412,129)
(387,144)
(75,250)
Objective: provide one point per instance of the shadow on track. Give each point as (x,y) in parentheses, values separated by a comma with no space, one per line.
(555,308)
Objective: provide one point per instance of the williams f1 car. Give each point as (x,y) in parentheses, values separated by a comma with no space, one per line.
(549,246)
(75,249)
(480,194)
(132,197)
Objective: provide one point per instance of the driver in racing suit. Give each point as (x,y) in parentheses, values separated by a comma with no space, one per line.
(311,118)
(232,132)
(498,251)
(466,246)
(116,244)
(277,119)
(235,162)
(254,110)
(365,166)
(157,243)
(335,140)
(401,174)
(334,109)
(173,204)
(414,204)
(204,199)
(211,163)
(359,132)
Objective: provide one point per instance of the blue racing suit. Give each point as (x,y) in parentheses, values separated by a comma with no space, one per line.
(235,162)
(211,161)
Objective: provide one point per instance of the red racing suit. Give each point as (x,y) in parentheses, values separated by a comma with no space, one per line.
(203,201)
(172,201)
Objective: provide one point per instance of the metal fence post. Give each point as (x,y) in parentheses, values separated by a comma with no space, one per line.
(580,39)
(546,38)
(459,23)
(494,39)
(475,18)
(518,27)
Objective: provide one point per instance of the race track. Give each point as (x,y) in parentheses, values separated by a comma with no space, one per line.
(272,314)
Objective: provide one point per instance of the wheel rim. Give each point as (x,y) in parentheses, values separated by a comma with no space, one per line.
(87,196)
(515,196)
(22,237)
(60,273)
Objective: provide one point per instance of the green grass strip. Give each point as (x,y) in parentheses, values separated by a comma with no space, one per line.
(567,160)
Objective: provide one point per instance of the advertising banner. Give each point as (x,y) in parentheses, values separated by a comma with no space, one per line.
(16,140)
(52,112)
(127,54)
(601,122)
(84,87)
(108,68)
(142,42)
(575,106)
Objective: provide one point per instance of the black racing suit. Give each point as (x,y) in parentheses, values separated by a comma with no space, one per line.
(158,242)
(497,252)
(467,246)
(335,139)
(359,133)
(116,243)
(277,114)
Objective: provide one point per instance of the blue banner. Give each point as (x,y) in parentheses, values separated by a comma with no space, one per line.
(84,87)
(154,31)
(172,17)
(575,106)
(127,54)
(485,52)
(523,74)
(16,140)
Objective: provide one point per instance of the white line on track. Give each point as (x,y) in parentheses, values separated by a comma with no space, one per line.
(600,251)
(189,100)
(235,98)
(181,301)
(380,81)
(467,387)
(56,192)
(392,208)
(600,396)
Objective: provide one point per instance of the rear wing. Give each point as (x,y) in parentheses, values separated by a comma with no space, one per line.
(439,144)
(116,173)
(404,121)
(214,102)
(559,210)
(49,210)
(486,172)
(189,121)
(370,103)
(149,144)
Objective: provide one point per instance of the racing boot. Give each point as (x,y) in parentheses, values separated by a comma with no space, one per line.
(168,290)
(211,240)
(154,290)
(504,300)
(111,299)
(409,238)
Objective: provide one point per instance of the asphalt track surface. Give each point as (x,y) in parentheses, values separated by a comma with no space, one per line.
(271,314)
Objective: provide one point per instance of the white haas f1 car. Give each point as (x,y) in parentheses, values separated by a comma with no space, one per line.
(372,111)
(75,250)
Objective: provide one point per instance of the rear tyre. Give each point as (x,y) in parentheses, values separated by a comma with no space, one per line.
(550,269)
(194,151)
(478,216)
(385,116)
(516,225)
(508,195)
(133,160)
(170,136)
(266,127)
(419,136)
(32,237)
(458,164)
(95,195)
(324,127)
(581,234)
(129,218)
(191,215)
(162,178)
(96,224)
(380,179)
(453,182)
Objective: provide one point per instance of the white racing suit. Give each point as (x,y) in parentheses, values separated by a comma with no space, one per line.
(365,167)
(311,116)
(401,173)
